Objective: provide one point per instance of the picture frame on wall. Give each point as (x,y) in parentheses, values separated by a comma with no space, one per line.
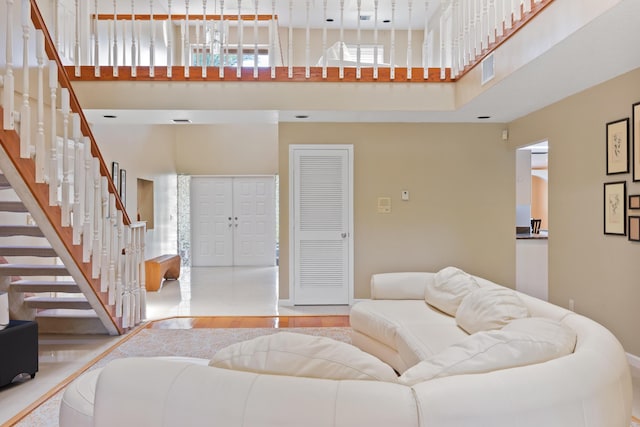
(634,228)
(122,190)
(636,140)
(618,147)
(615,208)
(115,173)
(634,201)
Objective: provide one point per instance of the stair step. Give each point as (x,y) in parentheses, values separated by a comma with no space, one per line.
(37,286)
(61,321)
(76,303)
(39,251)
(20,230)
(33,270)
(13,207)
(4,184)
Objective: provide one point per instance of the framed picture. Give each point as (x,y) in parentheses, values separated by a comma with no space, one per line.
(634,228)
(618,147)
(115,173)
(615,208)
(636,141)
(123,187)
(634,201)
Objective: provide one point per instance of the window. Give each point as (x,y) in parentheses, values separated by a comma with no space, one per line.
(202,53)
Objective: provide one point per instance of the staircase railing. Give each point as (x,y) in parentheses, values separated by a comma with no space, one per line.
(53,151)
(283,40)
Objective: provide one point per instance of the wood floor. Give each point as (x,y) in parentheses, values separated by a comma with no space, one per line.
(249,322)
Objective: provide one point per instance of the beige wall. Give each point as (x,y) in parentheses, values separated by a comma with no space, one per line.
(227,149)
(146,152)
(461,179)
(600,273)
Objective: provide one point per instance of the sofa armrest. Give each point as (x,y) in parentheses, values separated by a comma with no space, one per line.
(406,285)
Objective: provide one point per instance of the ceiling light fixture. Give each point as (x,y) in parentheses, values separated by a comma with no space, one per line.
(386,21)
(302,116)
(181,121)
(484,117)
(329,19)
(110,116)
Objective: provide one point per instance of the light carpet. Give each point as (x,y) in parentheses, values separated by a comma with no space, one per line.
(201,343)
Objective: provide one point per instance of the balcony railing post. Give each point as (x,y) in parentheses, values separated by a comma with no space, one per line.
(409,41)
(169,27)
(40,157)
(8,101)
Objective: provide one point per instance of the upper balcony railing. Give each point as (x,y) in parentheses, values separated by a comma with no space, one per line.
(283,40)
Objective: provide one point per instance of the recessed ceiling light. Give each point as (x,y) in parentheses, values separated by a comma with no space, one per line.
(386,21)
(181,121)
(110,116)
(484,117)
(302,116)
(329,19)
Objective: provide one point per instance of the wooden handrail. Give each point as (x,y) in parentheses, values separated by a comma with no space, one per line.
(65,82)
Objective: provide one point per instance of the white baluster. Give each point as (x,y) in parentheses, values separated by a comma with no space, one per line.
(204,41)
(341,69)
(324,39)
(186,42)
(442,42)
(112,248)
(8,102)
(134,47)
(120,289)
(255,42)
(96,250)
(359,41)
(499,11)
(115,39)
(392,50)
(526,6)
(152,43)
(66,166)
(140,269)
(307,43)
(96,42)
(78,181)
(290,41)
(89,202)
(119,259)
(493,24)
(106,235)
(26,149)
(409,41)
(76,45)
(41,157)
(425,43)
(169,42)
(135,286)
(376,4)
(198,48)
(57,32)
(454,39)
(123,48)
(53,148)
(126,293)
(273,28)
(239,53)
(223,42)
(510,14)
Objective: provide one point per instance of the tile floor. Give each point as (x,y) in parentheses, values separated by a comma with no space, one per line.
(200,292)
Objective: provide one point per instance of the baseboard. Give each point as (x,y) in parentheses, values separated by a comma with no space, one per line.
(285,303)
(634,364)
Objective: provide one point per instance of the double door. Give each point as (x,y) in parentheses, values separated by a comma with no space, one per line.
(233,221)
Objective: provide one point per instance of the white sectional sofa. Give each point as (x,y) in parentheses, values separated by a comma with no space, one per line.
(314,381)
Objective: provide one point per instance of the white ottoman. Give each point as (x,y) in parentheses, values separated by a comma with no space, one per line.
(76,407)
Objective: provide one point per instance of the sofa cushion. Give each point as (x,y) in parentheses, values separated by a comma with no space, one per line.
(522,342)
(288,353)
(413,328)
(449,287)
(485,309)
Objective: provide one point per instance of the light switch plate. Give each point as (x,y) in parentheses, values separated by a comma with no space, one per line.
(384,204)
(405,195)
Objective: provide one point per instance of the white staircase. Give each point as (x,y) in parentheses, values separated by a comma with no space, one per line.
(36,279)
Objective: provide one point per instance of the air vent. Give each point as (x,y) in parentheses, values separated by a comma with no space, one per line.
(488,69)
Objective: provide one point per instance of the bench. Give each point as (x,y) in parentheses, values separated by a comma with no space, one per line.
(159,268)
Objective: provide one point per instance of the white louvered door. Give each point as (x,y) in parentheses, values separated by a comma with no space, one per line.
(322,224)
